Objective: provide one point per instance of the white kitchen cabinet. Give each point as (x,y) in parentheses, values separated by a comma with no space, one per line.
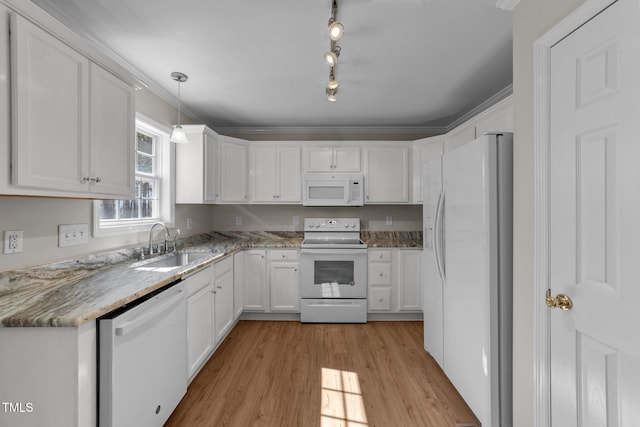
(73,121)
(234,170)
(386,176)
(395,276)
(409,279)
(276,174)
(284,280)
(53,369)
(238,284)
(223,298)
(200,319)
(332,158)
(424,150)
(379,279)
(256,297)
(197,171)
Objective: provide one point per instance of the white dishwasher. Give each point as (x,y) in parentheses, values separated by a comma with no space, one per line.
(143,360)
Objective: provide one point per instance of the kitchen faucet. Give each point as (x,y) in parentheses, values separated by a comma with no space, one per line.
(166,230)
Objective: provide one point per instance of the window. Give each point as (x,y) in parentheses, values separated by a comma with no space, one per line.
(153,199)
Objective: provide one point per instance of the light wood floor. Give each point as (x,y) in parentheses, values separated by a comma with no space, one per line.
(316,375)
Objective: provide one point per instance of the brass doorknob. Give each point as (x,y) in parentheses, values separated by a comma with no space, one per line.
(561,301)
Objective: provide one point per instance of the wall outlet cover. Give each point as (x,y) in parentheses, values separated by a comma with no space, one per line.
(12,241)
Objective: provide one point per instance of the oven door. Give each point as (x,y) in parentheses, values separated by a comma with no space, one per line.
(333,273)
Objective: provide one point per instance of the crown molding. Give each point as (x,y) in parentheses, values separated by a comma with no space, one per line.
(504,93)
(507,4)
(263,132)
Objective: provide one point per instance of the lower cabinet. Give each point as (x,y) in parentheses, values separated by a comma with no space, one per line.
(395,280)
(200,336)
(210,311)
(255,283)
(284,280)
(223,298)
(272,280)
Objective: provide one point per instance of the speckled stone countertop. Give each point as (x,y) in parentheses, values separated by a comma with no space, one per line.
(74,292)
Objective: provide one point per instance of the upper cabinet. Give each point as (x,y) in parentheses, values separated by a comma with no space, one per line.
(234,170)
(73,122)
(332,158)
(386,177)
(197,172)
(424,150)
(276,173)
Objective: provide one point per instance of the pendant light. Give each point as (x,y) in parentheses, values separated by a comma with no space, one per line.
(178,136)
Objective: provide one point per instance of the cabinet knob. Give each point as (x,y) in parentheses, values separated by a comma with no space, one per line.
(381,274)
(219,287)
(86,178)
(97,179)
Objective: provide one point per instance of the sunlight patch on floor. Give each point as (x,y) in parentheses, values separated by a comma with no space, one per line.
(342,404)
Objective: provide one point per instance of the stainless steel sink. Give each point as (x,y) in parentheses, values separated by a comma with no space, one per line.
(169,262)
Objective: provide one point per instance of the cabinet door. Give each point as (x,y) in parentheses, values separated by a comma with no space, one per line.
(409,279)
(234,173)
(238,283)
(423,151)
(255,290)
(112,134)
(387,178)
(284,286)
(289,176)
(223,311)
(346,159)
(265,174)
(211,169)
(199,328)
(50,105)
(318,159)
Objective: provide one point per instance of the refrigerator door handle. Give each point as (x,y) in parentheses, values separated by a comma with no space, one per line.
(438,249)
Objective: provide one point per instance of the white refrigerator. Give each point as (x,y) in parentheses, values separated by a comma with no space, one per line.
(467,218)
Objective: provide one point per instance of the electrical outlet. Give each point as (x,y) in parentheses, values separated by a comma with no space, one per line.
(12,241)
(72,234)
(389,220)
(238,220)
(296,220)
(189,223)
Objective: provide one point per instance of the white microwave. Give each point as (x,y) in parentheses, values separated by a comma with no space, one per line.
(332,189)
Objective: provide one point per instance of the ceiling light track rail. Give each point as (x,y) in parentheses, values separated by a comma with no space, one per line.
(336,31)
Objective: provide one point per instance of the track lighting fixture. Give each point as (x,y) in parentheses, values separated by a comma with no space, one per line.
(336,31)
(178,136)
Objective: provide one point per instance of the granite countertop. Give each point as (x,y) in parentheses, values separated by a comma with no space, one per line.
(74,292)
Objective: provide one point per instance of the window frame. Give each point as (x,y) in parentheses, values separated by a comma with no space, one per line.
(165,163)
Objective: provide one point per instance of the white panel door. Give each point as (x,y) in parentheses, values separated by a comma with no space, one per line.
(594,213)
(112,134)
(284,281)
(50,105)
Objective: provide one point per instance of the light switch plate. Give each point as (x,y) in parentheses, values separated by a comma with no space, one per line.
(72,234)
(238,220)
(12,241)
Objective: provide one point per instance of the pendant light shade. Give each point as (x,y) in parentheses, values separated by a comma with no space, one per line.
(178,136)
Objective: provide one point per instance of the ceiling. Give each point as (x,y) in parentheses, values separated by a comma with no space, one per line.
(254,64)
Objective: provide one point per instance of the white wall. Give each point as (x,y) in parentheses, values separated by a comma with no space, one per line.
(531,19)
(38,218)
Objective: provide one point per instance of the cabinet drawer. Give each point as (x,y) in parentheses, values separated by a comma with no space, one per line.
(380,298)
(379,255)
(379,273)
(223,267)
(283,254)
(198,281)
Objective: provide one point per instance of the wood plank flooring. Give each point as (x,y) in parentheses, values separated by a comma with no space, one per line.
(294,374)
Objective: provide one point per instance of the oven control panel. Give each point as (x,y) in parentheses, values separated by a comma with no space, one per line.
(332,224)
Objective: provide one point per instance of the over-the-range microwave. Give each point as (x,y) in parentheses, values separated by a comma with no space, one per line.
(332,189)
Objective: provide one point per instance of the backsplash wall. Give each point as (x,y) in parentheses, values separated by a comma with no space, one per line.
(280,217)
